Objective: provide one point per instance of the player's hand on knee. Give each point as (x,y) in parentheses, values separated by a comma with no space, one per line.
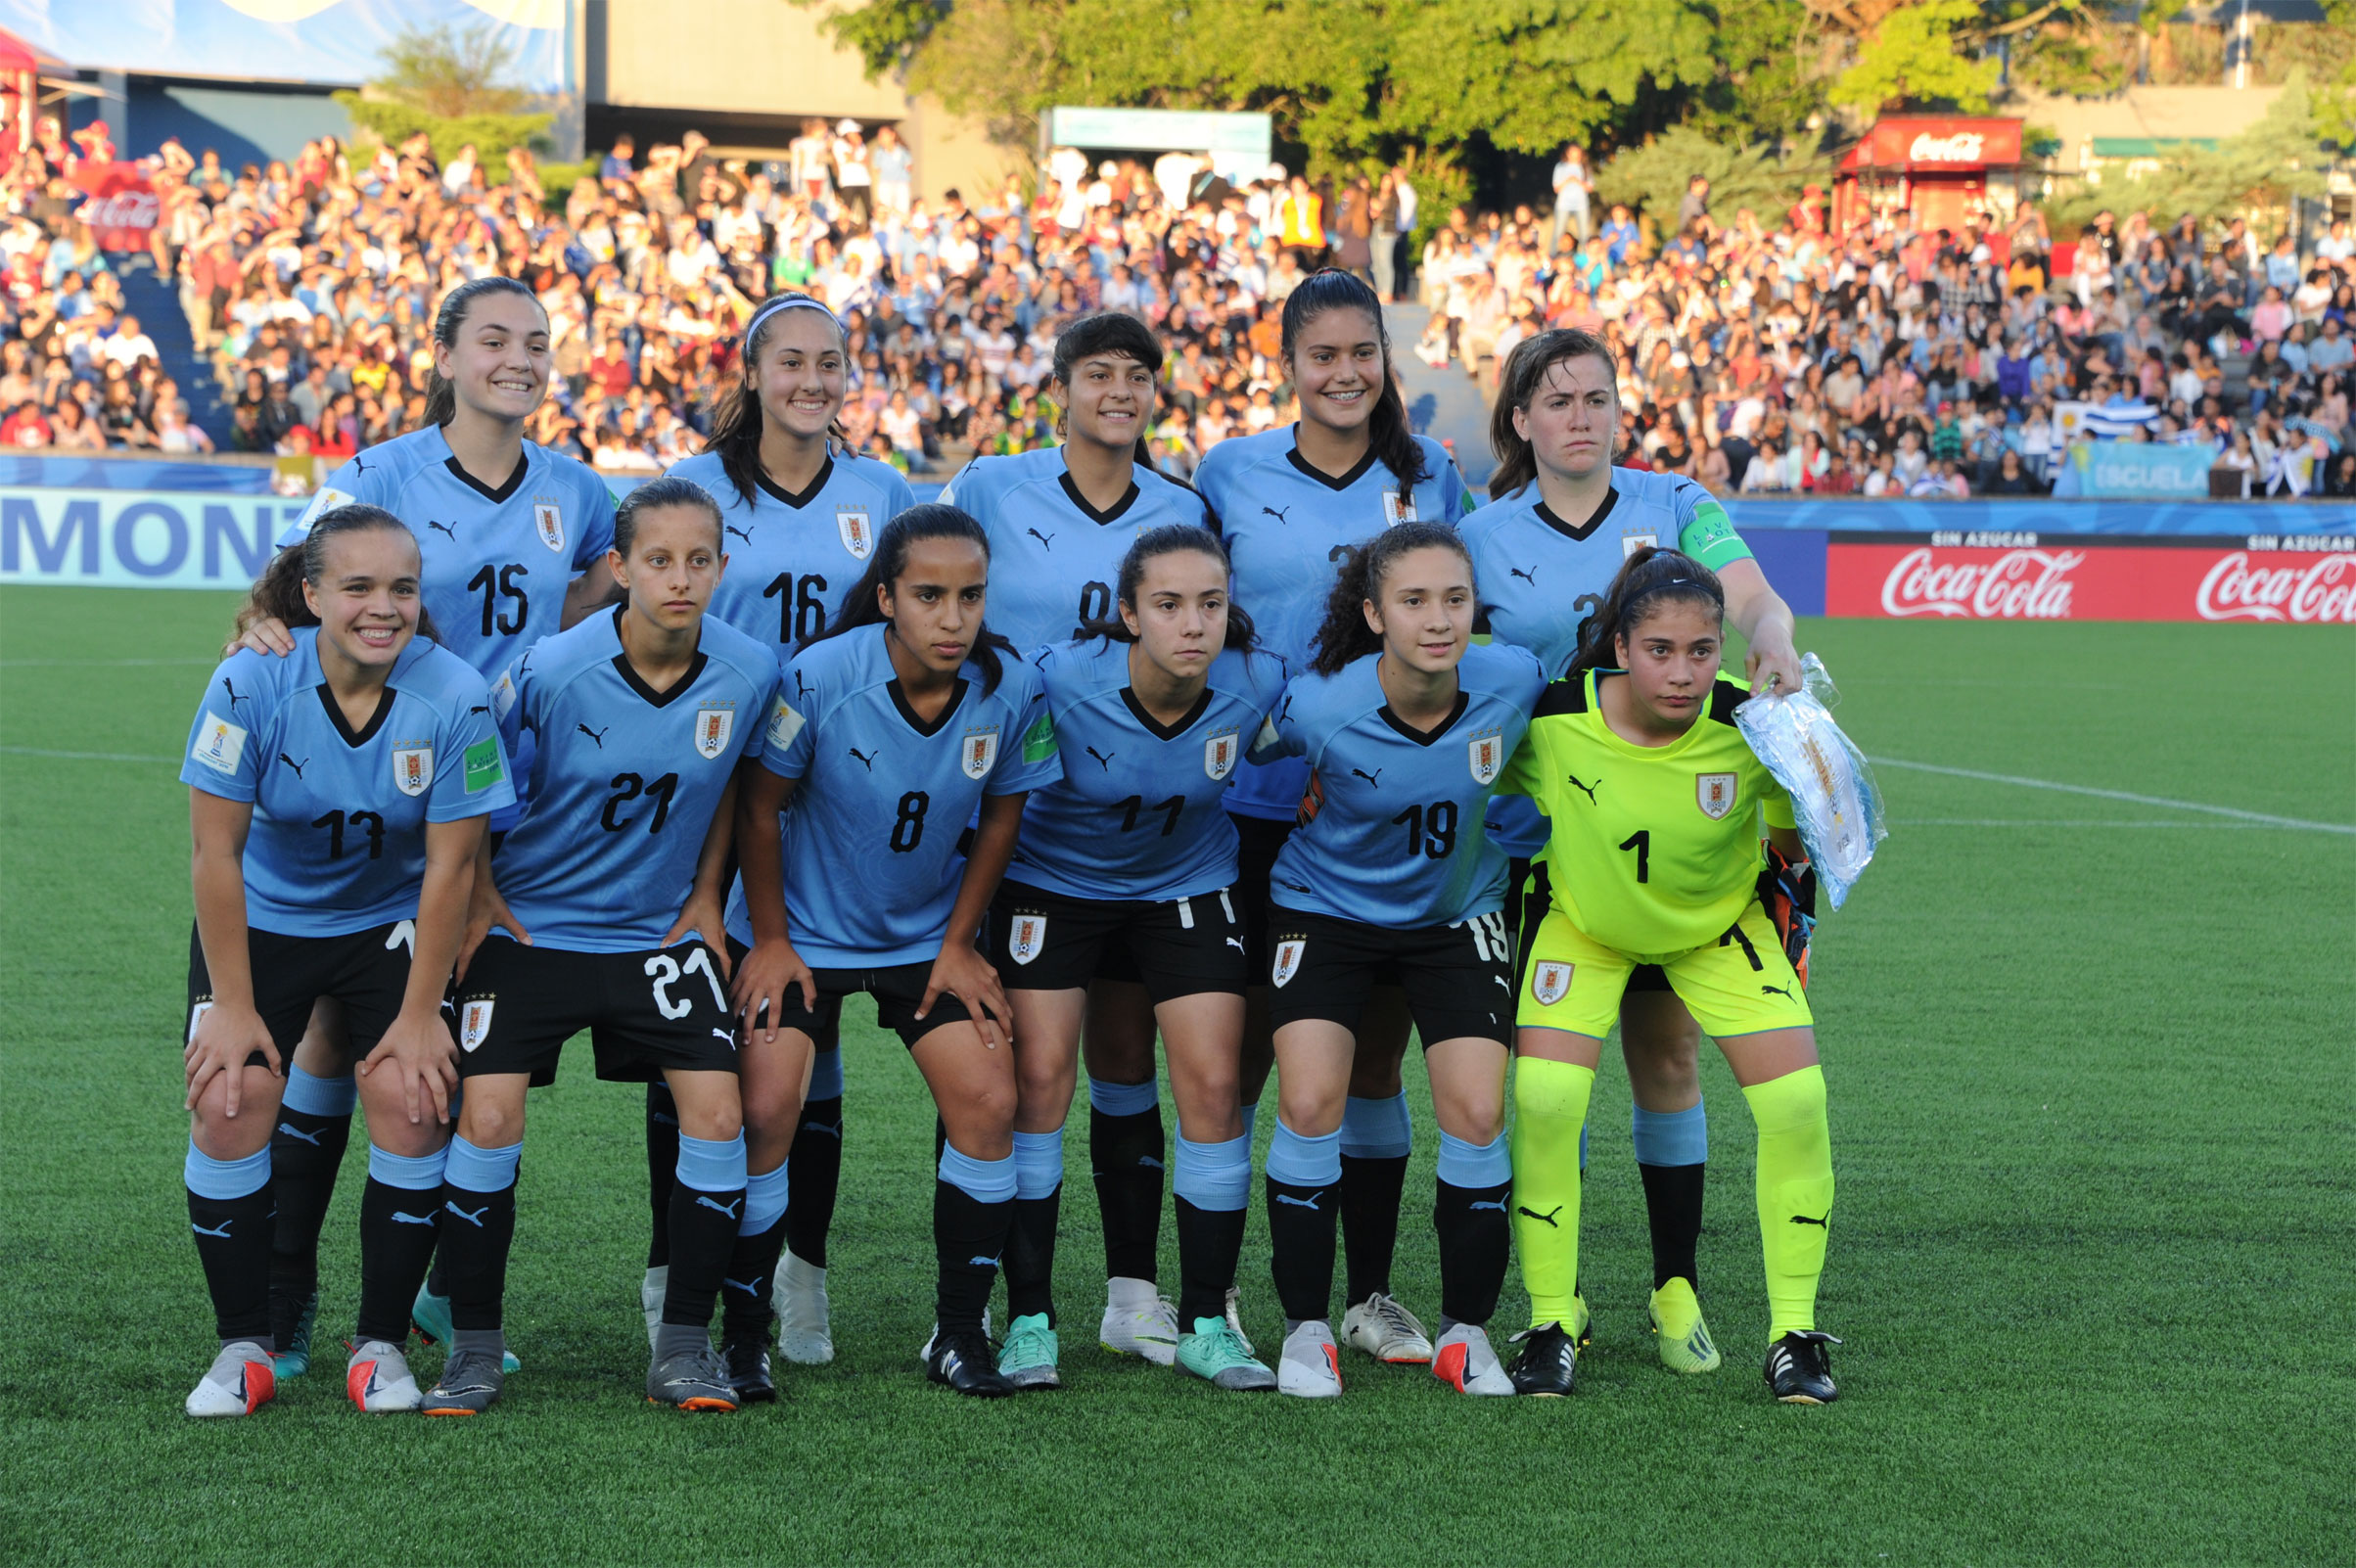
(426,1059)
(768,971)
(224,1039)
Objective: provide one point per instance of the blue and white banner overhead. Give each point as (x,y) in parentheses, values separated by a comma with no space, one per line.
(2102,422)
(139,538)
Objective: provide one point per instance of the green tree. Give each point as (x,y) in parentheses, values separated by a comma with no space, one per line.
(454,85)
(1770,76)
(1653,177)
(2335,105)
(1912,59)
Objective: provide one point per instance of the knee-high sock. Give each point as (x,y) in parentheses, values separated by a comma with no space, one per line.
(229,1214)
(973,1205)
(1303,1186)
(1549,1107)
(707,1206)
(477,1227)
(1468,1210)
(1213,1185)
(1795,1192)
(1031,1235)
(1672,1151)
(401,1210)
(306,1150)
(1377,1137)
(662,1164)
(817,1162)
(1129,1154)
(744,1294)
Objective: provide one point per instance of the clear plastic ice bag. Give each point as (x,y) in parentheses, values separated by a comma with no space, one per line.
(1834,799)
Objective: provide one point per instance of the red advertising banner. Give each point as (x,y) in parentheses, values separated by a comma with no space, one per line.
(119,205)
(2024,576)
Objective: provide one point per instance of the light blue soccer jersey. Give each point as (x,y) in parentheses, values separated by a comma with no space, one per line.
(871,861)
(496,562)
(338,838)
(1286,525)
(1054,560)
(624,780)
(1137,812)
(1394,832)
(793,557)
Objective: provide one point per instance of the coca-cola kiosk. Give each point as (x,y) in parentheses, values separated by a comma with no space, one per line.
(1948,172)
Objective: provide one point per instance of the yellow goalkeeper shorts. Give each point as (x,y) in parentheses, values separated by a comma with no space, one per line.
(1742,984)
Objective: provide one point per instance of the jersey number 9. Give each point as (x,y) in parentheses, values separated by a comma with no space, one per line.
(1431,829)
(1096,604)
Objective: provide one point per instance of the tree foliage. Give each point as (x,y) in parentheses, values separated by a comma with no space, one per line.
(2276,159)
(1653,177)
(453,85)
(1912,59)
(2335,103)
(491,135)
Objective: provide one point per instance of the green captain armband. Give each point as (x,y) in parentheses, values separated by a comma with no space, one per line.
(1710,538)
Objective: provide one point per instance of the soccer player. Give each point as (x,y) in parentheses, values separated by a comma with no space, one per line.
(1654,800)
(336,798)
(1129,854)
(1060,522)
(1291,501)
(1546,550)
(1405,727)
(800,514)
(509,532)
(888,733)
(597,913)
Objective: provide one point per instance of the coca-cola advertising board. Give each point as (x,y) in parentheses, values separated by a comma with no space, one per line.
(118,204)
(2306,579)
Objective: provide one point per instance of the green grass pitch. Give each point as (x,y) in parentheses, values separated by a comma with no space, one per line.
(2091,1068)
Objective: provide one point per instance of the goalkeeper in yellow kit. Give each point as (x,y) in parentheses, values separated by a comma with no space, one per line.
(1654,800)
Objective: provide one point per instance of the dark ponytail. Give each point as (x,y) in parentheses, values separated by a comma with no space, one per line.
(1648,579)
(1170,540)
(1345,637)
(441,399)
(1394,439)
(277,595)
(1525,372)
(864,606)
(737,428)
(1108,332)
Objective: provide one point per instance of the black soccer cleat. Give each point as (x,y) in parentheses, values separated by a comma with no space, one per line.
(1799,1371)
(748,1364)
(963,1361)
(1548,1366)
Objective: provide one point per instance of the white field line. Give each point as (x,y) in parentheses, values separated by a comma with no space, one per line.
(82,756)
(2262,818)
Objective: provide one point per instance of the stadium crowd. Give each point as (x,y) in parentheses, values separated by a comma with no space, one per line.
(1759,353)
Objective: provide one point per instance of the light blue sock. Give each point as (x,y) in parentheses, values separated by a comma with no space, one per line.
(826,1076)
(1215,1177)
(474,1170)
(711,1165)
(983,1181)
(313,1096)
(1377,1130)
(1038,1164)
(1670,1137)
(1300,1162)
(764,1200)
(1465,1164)
(223,1180)
(411,1173)
(1124,1099)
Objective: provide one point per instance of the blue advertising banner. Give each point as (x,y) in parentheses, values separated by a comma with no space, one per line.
(2106,469)
(69,472)
(138,538)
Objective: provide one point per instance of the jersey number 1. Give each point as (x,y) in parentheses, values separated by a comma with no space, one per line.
(1641,840)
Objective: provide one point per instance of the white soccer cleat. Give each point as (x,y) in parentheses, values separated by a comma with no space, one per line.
(238,1382)
(651,1292)
(1235,1320)
(1465,1363)
(378,1379)
(1138,1322)
(805,1337)
(1387,1332)
(1311,1367)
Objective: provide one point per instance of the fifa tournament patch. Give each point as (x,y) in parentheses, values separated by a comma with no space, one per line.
(413,768)
(503,695)
(326,502)
(1219,753)
(474,1020)
(1714,793)
(1484,754)
(1025,938)
(784,724)
(1288,960)
(1398,506)
(858,532)
(1551,980)
(483,766)
(715,722)
(218,745)
(1038,741)
(549,519)
(978,750)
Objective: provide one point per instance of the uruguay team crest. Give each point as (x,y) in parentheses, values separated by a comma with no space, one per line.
(474,1020)
(1485,753)
(1288,959)
(978,751)
(1550,981)
(1630,543)
(1398,506)
(1027,935)
(859,535)
(1714,793)
(549,519)
(1219,752)
(715,722)
(413,769)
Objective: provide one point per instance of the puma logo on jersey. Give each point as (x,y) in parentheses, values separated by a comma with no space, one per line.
(1530,576)
(1589,789)
(742,533)
(1276,512)
(597,735)
(867,760)
(291,763)
(1548,1219)
(478,708)
(1777,990)
(1373,779)
(358,467)
(1047,541)
(234,698)
(800,688)
(1105,759)
(444,527)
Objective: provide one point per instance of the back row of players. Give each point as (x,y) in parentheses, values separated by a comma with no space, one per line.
(1068,830)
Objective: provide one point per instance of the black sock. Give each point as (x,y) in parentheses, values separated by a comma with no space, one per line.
(661,1168)
(1300,1245)
(1129,1155)
(743,1299)
(1210,1242)
(306,1153)
(1371,1189)
(1030,1255)
(1474,1240)
(817,1170)
(477,1231)
(968,1237)
(398,1230)
(703,1242)
(1672,1203)
(233,1244)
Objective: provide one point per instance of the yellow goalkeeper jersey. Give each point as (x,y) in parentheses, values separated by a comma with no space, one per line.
(1652,849)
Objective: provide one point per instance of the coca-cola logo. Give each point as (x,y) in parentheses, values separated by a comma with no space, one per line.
(125,209)
(2323,591)
(1963,147)
(2017,585)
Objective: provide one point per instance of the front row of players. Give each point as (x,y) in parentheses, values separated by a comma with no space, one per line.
(970,839)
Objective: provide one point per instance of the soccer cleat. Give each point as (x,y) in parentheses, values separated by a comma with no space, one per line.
(1685,1339)
(1548,1366)
(650,1291)
(471,1383)
(1027,1360)
(296,1359)
(430,1315)
(1222,1357)
(1235,1322)
(1311,1366)
(378,1379)
(1799,1371)
(1139,1321)
(932,1337)
(961,1360)
(1386,1332)
(691,1379)
(1465,1363)
(238,1382)
(748,1362)
(799,1295)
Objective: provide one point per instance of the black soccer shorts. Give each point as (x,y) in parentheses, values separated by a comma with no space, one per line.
(897,989)
(1459,979)
(646,1011)
(367,971)
(1044,940)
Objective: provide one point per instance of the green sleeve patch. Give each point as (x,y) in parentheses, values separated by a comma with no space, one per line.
(1710,538)
(483,766)
(1038,741)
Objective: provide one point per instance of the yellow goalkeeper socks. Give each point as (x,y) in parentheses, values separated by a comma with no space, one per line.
(1550,1108)
(1795,1192)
